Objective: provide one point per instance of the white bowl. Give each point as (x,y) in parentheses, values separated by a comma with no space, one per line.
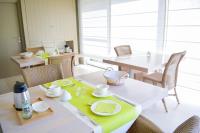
(101,89)
(65,96)
(54,91)
(115,77)
(26,55)
(40,52)
(41,106)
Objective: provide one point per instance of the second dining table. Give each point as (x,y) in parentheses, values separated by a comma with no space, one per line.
(144,62)
(34,60)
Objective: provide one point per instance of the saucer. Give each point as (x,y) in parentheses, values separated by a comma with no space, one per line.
(104,95)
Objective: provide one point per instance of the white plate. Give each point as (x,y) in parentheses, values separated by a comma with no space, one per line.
(104,95)
(65,82)
(117,108)
(41,106)
(53,95)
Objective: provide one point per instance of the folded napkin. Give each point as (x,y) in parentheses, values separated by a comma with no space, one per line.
(105,107)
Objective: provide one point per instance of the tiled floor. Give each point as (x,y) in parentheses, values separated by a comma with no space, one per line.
(189,105)
(190,102)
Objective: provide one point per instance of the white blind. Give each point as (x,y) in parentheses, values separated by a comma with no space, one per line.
(183,31)
(134,22)
(107,23)
(93,19)
(146,25)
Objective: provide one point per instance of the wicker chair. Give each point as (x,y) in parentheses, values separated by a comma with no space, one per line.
(41,74)
(168,78)
(143,125)
(123,50)
(191,125)
(34,50)
(66,61)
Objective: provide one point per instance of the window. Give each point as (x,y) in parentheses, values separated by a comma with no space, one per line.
(107,23)
(182,33)
(134,22)
(147,25)
(94,27)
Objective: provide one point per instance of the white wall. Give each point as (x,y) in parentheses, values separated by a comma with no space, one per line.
(49,22)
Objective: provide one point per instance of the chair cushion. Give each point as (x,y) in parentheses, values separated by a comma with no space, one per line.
(191,125)
(155,77)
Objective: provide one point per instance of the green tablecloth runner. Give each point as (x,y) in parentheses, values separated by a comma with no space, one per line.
(82,98)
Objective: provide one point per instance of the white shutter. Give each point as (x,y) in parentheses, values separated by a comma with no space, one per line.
(183,31)
(93,19)
(134,22)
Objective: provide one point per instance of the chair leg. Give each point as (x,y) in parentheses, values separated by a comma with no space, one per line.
(164,103)
(138,76)
(176,95)
(154,83)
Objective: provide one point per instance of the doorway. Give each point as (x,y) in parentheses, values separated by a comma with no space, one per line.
(10,42)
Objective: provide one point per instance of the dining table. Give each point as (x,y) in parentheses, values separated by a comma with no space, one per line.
(68,118)
(144,62)
(23,63)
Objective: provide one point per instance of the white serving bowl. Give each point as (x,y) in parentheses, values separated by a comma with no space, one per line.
(115,77)
(26,55)
(39,53)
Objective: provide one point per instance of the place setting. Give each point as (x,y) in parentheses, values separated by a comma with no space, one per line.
(103,107)
(55,90)
(101,90)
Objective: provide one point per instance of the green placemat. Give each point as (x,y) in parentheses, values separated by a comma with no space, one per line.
(82,97)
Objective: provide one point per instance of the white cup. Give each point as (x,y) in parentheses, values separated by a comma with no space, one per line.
(54,90)
(101,89)
(65,96)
